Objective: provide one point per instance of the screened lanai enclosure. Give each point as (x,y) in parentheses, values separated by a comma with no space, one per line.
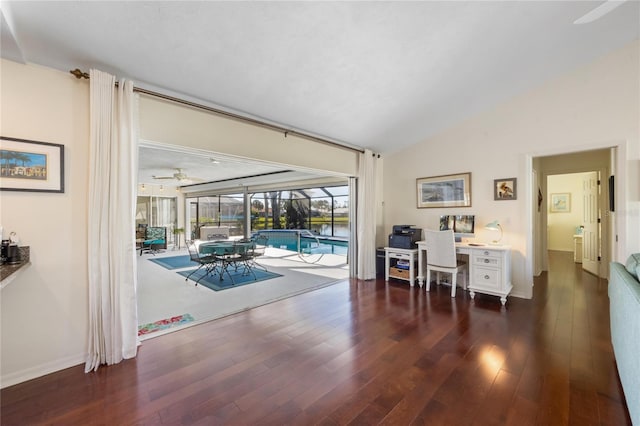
(321,210)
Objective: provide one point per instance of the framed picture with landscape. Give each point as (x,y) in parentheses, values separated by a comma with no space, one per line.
(31,166)
(444,191)
(561,203)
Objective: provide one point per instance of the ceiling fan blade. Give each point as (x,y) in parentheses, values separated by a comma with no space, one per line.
(599,11)
(163,177)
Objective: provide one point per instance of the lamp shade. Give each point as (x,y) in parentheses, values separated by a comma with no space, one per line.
(495,226)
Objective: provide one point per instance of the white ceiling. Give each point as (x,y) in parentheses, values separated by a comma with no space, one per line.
(382,75)
(221,172)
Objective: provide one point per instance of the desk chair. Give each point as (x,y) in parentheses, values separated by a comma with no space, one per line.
(441,257)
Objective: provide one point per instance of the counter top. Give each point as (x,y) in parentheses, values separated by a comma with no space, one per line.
(9,272)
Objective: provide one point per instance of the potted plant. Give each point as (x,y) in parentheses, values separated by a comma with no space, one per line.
(177,232)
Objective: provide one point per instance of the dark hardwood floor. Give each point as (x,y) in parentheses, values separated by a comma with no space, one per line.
(361,353)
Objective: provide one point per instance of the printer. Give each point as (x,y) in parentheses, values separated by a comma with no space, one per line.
(405,236)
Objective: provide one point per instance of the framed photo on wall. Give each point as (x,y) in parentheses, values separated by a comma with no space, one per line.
(31,166)
(561,202)
(444,191)
(505,189)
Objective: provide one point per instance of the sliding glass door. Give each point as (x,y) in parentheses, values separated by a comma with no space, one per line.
(216,210)
(157,211)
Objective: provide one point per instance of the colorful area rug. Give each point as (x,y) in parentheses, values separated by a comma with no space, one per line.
(214,283)
(173,262)
(164,324)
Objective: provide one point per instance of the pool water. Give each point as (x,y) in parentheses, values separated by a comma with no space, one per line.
(311,246)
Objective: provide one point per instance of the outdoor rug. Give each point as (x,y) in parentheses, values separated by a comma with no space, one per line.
(174,262)
(213,281)
(164,324)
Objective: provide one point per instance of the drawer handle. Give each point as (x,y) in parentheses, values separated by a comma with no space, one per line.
(486,277)
(486,261)
(486,253)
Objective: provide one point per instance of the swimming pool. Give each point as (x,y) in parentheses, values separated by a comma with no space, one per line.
(288,240)
(311,246)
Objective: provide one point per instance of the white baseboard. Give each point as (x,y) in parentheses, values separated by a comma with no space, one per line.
(40,370)
(518,295)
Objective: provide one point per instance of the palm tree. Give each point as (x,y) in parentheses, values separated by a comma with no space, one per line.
(275,197)
(6,157)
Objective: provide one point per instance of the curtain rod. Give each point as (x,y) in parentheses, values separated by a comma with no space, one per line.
(79,75)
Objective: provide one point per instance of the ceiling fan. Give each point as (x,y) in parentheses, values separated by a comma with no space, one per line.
(599,11)
(179,175)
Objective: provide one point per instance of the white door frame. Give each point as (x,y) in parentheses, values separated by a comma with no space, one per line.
(619,222)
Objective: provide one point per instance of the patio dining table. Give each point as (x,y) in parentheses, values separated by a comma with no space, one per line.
(226,254)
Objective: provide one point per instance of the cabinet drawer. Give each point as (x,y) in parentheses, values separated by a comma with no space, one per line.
(487,278)
(395,255)
(487,253)
(399,273)
(488,261)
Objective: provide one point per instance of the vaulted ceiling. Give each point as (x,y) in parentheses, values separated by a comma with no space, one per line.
(382,75)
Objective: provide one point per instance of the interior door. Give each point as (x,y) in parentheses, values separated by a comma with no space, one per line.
(591,223)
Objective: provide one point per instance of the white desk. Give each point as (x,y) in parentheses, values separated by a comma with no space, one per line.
(489,268)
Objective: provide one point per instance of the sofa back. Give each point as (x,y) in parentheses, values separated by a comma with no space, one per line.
(624,311)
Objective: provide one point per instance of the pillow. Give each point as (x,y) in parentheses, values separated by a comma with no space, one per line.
(633,264)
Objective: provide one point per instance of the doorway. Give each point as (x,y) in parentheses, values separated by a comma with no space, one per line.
(574,217)
(167,298)
(547,170)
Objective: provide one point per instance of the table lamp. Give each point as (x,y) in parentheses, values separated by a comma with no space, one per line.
(495,226)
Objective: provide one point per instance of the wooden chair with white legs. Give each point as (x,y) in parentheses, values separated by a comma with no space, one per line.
(441,257)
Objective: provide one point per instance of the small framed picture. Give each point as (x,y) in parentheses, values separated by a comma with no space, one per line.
(505,189)
(560,203)
(31,166)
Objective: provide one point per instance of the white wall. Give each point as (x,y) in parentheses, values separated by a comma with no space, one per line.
(44,309)
(593,107)
(174,124)
(561,226)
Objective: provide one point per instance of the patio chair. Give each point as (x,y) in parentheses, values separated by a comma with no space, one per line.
(208,261)
(224,256)
(260,245)
(243,256)
(155,240)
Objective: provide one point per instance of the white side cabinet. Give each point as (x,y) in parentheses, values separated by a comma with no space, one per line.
(490,271)
(577,248)
(391,257)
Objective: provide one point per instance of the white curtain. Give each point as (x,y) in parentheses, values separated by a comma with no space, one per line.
(366,216)
(111,232)
(352,250)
